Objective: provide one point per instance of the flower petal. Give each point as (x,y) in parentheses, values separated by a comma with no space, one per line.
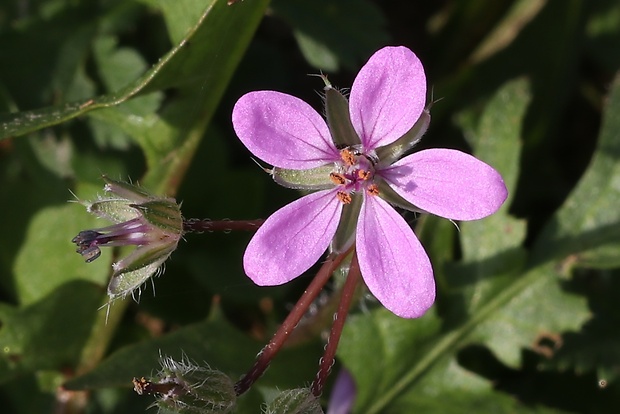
(343,394)
(393,263)
(448,183)
(387,96)
(282,130)
(292,239)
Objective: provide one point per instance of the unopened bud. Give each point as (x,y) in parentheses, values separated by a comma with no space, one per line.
(297,401)
(184,387)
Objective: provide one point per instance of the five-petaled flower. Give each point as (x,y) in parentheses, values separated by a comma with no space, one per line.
(354,165)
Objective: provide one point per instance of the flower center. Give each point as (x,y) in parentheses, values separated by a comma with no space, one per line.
(354,173)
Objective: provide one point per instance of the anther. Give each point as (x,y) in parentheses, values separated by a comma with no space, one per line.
(345,198)
(363,175)
(337,179)
(348,157)
(373,189)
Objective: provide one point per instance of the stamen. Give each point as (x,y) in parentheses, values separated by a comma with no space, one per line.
(363,175)
(133,232)
(345,198)
(337,179)
(348,157)
(89,253)
(373,189)
(88,245)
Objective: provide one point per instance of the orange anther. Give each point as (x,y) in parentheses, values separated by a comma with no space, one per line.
(345,198)
(363,174)
(347,157)
(337,179)
(373,189)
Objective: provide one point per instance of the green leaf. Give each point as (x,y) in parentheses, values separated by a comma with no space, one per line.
(43,51)
(595,348)
(46,260)
(333,34)
(208,342)
(400,356)
(492,247)
(181,66)
(588,224)
(525,306)
(603,34)
(120,66)
(48,334)
(117,66)
(402,365)
(497,141)
(316,53)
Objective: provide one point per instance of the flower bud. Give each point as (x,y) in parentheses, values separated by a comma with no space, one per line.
(184,387)
(153,224)
(297,401)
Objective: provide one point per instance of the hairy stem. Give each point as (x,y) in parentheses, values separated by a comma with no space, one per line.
(200,226)
(269,352)
(348,293)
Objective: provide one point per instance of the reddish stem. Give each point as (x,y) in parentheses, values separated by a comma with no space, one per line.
(200,226)
(327,361)
(302,305)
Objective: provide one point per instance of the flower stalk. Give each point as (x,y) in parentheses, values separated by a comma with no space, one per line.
(199,226)
(277,341)
(348,293)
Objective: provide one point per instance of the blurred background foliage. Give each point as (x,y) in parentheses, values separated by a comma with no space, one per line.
(527,313)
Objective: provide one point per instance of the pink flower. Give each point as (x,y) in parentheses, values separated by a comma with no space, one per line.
(353,163)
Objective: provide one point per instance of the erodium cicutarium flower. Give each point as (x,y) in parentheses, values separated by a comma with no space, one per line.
(353,163)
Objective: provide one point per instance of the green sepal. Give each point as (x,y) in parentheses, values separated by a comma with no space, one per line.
(184,387)
(125,190)
(207,391)
(387,193)
(114,209)
(311,179)
(126,282)
(388,154)
(211,390)
(131,202)
(297,401)
(339,119)
(345,233)
(138,267)
(164,214)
